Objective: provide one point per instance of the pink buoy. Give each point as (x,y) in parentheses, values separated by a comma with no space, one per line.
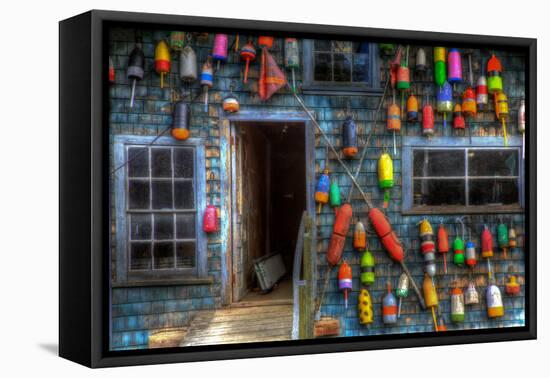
(219,52)
(454,66)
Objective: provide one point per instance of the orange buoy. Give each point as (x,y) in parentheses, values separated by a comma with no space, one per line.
(345,281)
(359,237)
(339,231)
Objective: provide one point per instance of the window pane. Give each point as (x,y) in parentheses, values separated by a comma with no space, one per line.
(185,226)
(140,227)
(342,46)
(322,45)
(164,255)
(140,256)
(360,67)
(138,193)
(493,191)
(185,254)
(342,67)
(323,67)
(493,162)
(164,226)
(138,162)
(161,162)
(183,162)
(437,163)
(162,194)
(185,197)
(438,192)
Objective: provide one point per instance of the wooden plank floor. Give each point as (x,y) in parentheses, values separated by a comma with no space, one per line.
(240,325)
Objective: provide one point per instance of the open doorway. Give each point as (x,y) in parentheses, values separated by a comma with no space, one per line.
(269,197)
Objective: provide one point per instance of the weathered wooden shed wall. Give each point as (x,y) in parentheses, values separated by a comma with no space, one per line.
(137,311)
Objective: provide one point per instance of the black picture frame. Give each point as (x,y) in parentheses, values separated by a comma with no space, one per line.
(83,196)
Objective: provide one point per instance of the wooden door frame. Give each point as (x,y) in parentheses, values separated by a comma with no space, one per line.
(226,185)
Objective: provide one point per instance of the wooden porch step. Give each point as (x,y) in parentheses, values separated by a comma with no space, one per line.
(240,325)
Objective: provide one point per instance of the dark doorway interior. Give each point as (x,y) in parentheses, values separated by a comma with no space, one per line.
(273,188)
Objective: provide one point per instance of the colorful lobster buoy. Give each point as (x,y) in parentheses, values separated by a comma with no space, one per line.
(458,248)
(428,119)
(469,106)
(403,78)
(501,109)
(402,290)
(177,40)
(512,286)
(345,281)
(364,305)
(430,296)
(265,41)
(471,259)
(471,296)
(495,307)
(292,58)
(349,137)
(443,244)
(210,222)
(494,74)
(322,188)
(180,121)
(385,176)
(248,54)
(135,72)
(339,231)
(387,236)
(386,48)
(420,64)
(334,196)
(394,122)
(486,243)
(359,237)
(162,60)
(219,51)
(207,80)
(427,246)
(389,307)
(454,74)
(111,71)
(440,66)
(502,238)
(457,305)
(482,93)
(367,268)
(458,119)
(512,239)
(412,108)
(231,103)
(521,125)
(188,65)
(445,100)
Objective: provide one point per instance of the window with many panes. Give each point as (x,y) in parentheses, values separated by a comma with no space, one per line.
(449,178)
(158,197)
(345,66)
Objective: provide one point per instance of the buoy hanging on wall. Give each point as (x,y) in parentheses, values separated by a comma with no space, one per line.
(445,101)
(339,232)
(248,54)
(427,246)
(188,65)
(292,58)
(412,108)
(359,237)
(385,177)
(180,121)
(443,244)
(457,306)
(177,40)
(345,281)
(367,268)
(207,80)
(454,74)
(389,307)
(364,306)
(471,296)
(440,66)
(402,290)
(135,72)
(349,138)
(219,51)
(428,119)
(495,306)
(162,60)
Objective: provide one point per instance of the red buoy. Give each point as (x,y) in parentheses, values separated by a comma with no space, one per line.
(443,244)
(388,238)
(345,281)
(210,220)
(339,231)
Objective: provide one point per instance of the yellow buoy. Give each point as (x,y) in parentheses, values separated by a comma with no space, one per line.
(364,306)
(162,60)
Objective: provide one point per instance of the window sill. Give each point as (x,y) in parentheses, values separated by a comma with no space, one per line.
(166,282)
(422,210)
